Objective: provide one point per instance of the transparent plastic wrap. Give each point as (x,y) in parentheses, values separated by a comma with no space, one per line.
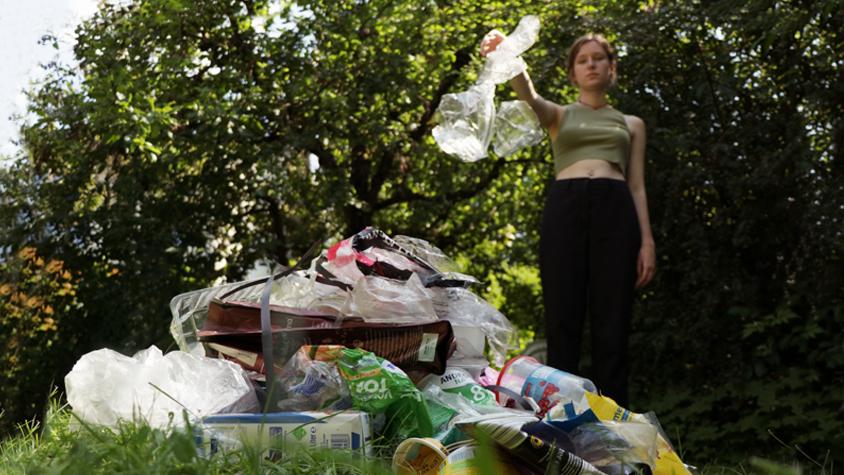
(299,290)
(310,381)
(505,62)
(462,307)
(390,301)
(617,447)
(516,127)
(190,311)
(427,251)
(467,118)
(105,387)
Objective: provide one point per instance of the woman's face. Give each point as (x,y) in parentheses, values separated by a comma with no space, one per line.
(592,67)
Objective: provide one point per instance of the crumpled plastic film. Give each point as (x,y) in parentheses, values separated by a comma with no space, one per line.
(516,126)
(190,310)
(299,290)
(505,62)
(105,387)
(377,299)
(616,444)
(465,129)
(429,252)
(462,307)
(310,381)
(468,118)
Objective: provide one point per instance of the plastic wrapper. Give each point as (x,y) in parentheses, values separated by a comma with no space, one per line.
(190,311)
(391,301)
(617,447)
(378,386)
(459,381)
(505,62)
(594,408)
(310,380)
(466,122)
(516,127)
(462,307)
(428,252)
(105,387)
(533,451)
(299,290)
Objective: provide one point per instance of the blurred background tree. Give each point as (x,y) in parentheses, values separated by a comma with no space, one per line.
(196,138)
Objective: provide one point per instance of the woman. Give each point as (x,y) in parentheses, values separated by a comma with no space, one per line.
(596,244)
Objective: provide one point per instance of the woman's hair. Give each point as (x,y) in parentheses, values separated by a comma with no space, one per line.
(578,43)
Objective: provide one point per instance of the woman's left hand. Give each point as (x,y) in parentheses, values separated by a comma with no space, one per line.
(646,265)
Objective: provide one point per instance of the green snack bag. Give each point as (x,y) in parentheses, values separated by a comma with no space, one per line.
(376,386)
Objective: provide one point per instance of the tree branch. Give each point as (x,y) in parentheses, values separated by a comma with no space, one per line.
(407,197)
(461,59)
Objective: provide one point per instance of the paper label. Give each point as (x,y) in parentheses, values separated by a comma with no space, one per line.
(428,347)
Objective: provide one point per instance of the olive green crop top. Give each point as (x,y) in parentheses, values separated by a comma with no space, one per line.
(588,133)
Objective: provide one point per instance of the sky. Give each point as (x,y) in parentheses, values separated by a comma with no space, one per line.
(22,24)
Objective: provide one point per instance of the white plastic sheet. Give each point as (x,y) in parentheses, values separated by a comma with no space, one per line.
(105,387)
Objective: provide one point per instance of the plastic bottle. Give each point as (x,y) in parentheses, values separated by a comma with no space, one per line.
(544,384)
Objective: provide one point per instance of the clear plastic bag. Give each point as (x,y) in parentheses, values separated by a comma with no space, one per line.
(516,127)
(310,381)
(105,387)
(617,446)
(376,299)
(505,62)
(467,118)
(461,307)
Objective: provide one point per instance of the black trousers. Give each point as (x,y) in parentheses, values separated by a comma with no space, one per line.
(589,246)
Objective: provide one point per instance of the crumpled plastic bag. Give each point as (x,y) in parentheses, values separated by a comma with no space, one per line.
(516,126)
(462,307)
(311,381)
(105,387)
(616,446)
(468,120)
(465,128)
(383,300)
(505,62)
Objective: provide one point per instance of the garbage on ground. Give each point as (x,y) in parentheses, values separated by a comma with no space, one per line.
(339,430)
(468,121)
(459,381)
(547,386)
(535,453)
(373,339)
(105,387)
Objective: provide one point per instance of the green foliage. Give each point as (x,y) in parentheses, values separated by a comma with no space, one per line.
(35,297)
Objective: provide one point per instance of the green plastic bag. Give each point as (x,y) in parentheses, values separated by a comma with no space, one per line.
(378,386)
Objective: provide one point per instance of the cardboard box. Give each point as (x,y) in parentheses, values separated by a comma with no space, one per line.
(350,430)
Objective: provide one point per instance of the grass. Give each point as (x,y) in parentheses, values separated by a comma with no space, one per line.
(64,445)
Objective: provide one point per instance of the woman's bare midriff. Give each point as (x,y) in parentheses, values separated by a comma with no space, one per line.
(591,169)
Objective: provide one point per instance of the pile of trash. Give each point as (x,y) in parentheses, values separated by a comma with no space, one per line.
(377,342)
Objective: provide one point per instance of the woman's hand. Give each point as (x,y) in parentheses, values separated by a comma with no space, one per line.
(646,265)
(491,42)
